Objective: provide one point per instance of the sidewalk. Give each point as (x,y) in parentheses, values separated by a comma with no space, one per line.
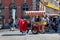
(5,34)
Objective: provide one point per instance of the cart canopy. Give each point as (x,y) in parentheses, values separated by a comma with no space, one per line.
(34,12)
(52,14)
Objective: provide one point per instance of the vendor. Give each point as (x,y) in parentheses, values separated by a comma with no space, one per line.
(37,18)
(33,19)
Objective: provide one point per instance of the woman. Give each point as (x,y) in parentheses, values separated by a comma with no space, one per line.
(22,25)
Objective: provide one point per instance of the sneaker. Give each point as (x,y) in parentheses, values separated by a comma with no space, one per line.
(12,29)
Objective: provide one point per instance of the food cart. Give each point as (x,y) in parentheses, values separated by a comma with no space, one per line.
(35,26)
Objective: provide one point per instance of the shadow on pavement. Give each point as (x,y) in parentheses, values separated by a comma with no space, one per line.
(53,33)
(46,33)
(13,34)
(29,34)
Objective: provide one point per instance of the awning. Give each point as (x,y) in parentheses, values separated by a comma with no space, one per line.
(51,5)
(34,12)
(52,14)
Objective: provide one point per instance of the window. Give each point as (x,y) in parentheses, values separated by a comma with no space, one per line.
(1,9)
(55,3)
(37,4)
(47,10)
(25,7)
(1,6)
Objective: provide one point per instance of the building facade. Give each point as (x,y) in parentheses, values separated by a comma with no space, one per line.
(20,6)
(52,6)
(49,6)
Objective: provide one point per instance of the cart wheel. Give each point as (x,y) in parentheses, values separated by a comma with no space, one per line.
(35,31)
(42,32)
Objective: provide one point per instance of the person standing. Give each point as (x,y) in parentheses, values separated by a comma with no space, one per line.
(47,23)
(58,20)
(55,27)
(11,23)
(33,19)
(43,21)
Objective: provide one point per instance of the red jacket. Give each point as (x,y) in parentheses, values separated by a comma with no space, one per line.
(23,25)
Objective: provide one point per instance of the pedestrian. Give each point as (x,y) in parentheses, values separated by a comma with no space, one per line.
(16,22)
(37,19)
(33,19)
(58,21)
(43,21)
(47,23)
(55,27)
(22,25)
(11,24)
(50,22)
(26,26)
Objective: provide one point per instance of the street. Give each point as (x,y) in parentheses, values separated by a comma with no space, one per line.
(5,34)
(35,15)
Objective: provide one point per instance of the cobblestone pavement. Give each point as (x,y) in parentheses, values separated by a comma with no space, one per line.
(16,35)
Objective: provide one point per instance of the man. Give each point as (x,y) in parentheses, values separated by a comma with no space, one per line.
(33,19)
(55,26)
(11,24)
(43,21)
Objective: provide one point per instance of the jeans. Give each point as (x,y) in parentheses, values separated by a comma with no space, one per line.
(16,25)
(11,25)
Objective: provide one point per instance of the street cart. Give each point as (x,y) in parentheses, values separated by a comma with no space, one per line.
(36,25)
